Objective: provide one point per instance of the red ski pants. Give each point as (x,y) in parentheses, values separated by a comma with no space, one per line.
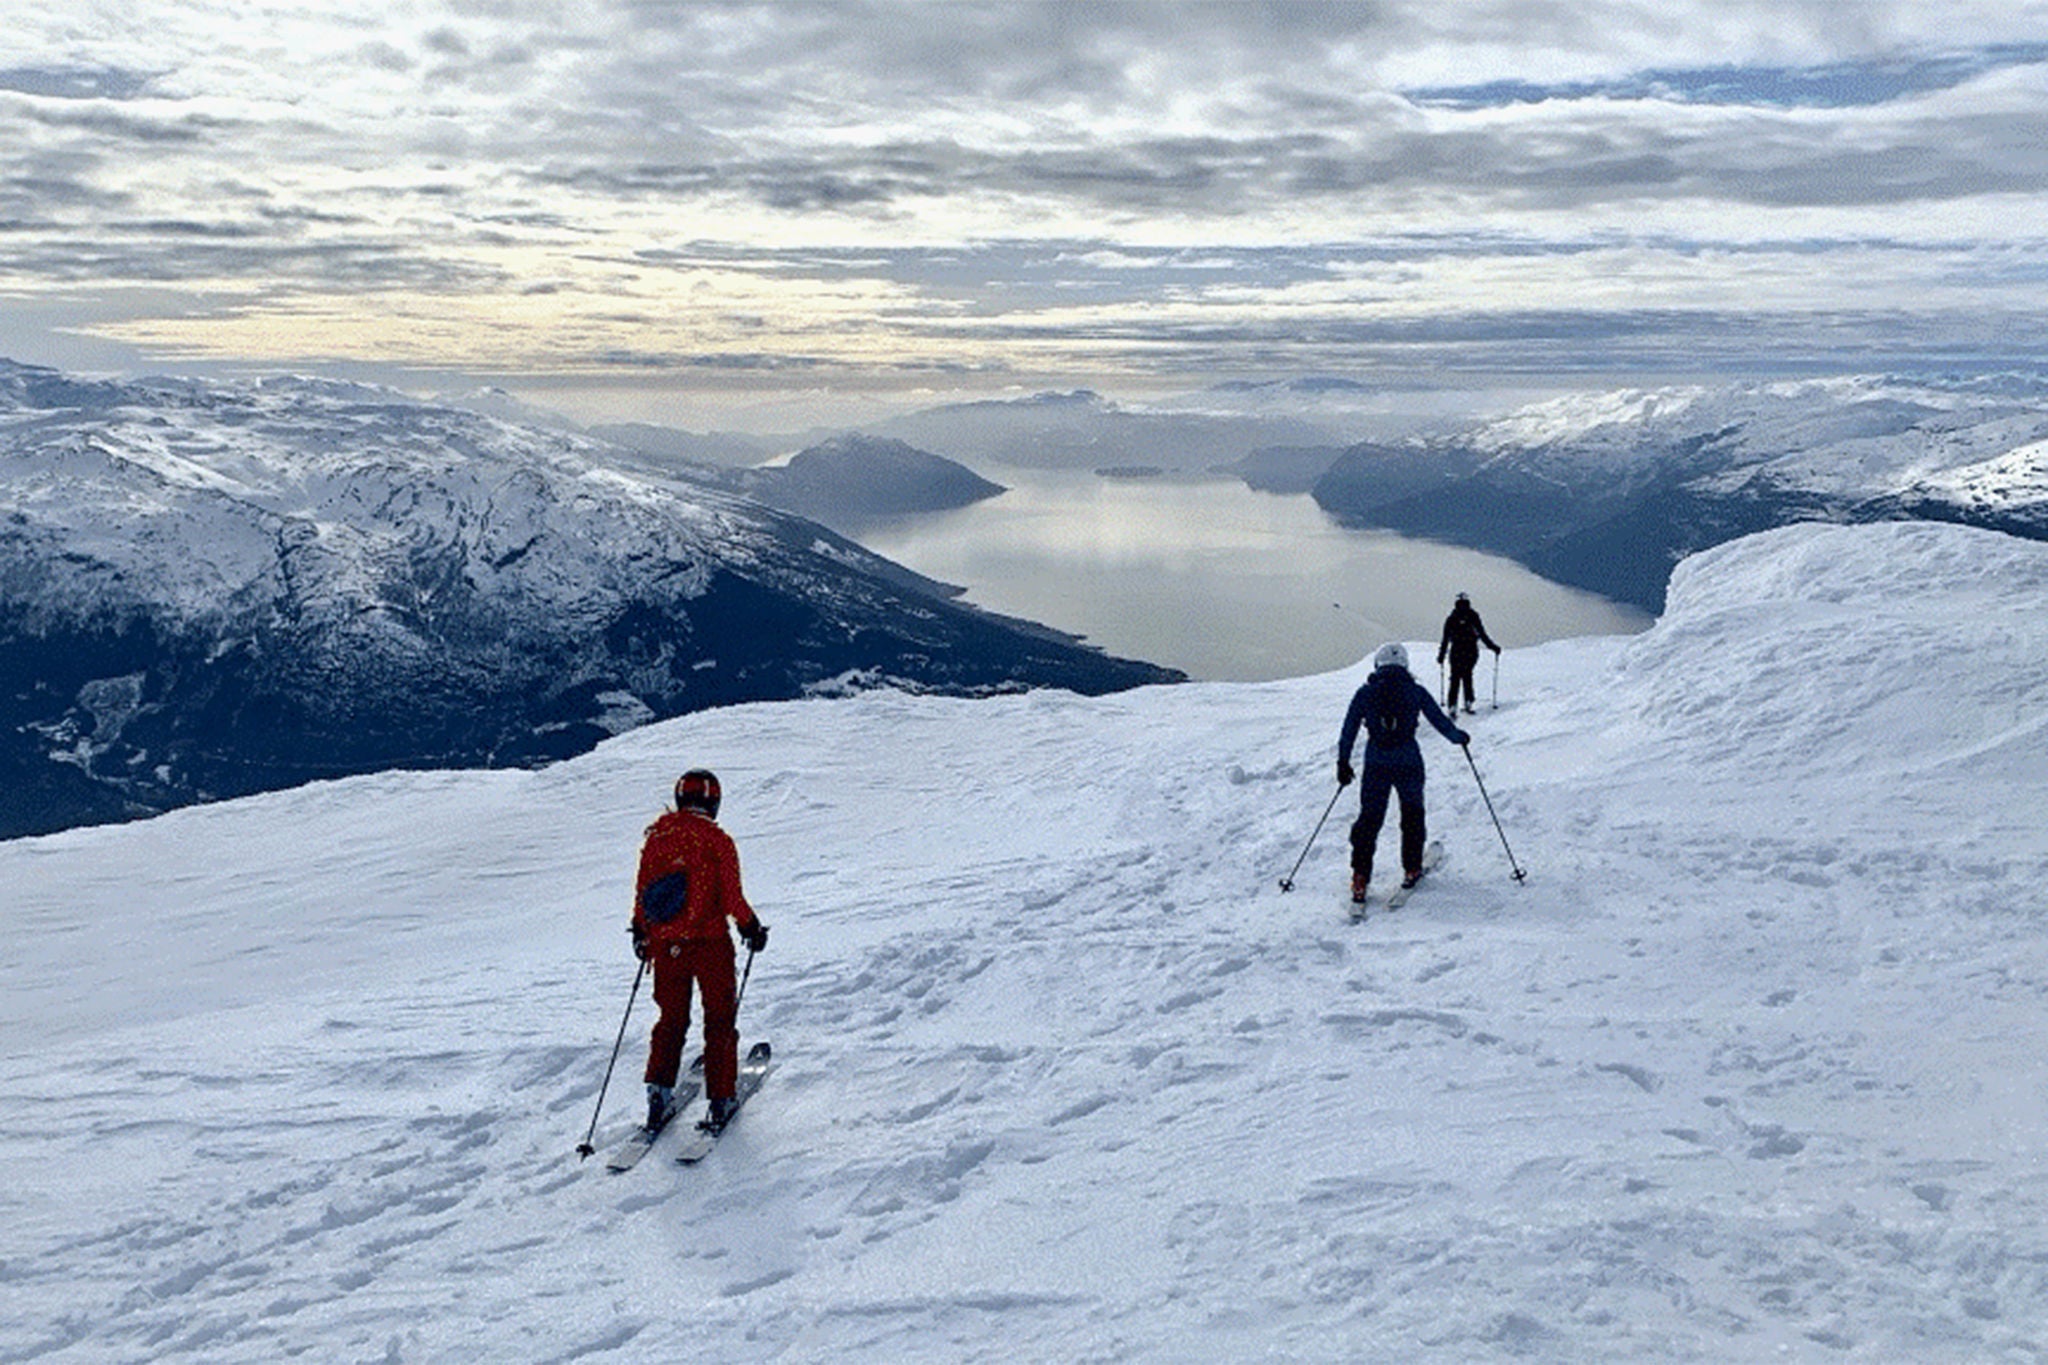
(707,962)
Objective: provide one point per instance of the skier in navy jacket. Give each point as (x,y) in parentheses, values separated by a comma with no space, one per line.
(1387,707)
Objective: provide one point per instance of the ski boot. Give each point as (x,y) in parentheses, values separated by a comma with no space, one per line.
(661,1106)
(1358,885)
(719,1114)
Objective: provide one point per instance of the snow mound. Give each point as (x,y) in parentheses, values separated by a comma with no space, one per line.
(1813,650)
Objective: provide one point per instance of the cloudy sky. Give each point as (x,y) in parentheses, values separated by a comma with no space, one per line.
(636,206)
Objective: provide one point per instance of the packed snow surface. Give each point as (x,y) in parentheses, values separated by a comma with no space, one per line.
(1749,1068)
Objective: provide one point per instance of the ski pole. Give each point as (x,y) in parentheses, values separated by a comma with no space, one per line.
(1496,680)
(1519,874)
(1287,882)
(584,1148)
(741,993)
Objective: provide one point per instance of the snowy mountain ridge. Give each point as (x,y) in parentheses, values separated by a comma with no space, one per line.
(214,588)
(2006,483)
(1853,435)
(1747,1069)
(1608,490)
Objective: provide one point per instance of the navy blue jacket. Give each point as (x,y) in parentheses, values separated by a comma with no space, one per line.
(1408,699)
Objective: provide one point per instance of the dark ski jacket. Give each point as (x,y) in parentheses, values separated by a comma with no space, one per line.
(1463,634)
(1392,701)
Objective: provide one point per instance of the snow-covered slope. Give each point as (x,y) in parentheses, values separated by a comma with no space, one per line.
(1749,1068)
(1608,489)
(2013,484)
(210,589)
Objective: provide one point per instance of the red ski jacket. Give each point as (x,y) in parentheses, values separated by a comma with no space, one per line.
(689,882)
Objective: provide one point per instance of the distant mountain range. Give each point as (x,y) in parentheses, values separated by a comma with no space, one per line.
(1084,430)
(209,589)
(721,448)
(1602,490)
(1607,491)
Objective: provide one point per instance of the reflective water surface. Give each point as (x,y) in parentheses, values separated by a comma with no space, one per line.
(1220,581)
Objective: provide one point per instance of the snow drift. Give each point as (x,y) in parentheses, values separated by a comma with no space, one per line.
(1748,1069)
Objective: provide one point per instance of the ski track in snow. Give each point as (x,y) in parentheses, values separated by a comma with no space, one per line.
(1747,1070)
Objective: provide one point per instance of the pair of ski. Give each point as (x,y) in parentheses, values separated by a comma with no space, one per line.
(1432,858)
(754,1069)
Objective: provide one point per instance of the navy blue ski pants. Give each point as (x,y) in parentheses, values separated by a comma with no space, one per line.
(1375,783)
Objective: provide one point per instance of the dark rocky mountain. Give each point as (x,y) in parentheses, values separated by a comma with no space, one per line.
(850,480)
(210,589)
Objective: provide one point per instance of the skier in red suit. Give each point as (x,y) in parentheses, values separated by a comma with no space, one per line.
(688,887)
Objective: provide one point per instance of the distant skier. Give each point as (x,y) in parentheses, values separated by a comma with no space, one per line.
(1463,634)
(688,887)
(1387,707)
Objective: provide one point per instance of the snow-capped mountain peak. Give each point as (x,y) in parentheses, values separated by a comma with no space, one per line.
(1607,490)
(301,577)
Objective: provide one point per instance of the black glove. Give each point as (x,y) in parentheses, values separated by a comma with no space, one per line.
(1463,741)
(755,938)
(1344,773)
(1494,648)
(639,934)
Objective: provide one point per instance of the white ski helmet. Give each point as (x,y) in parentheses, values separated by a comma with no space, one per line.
(1393,655)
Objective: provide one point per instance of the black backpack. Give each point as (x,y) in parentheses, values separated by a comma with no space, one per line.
(665,897)
(1390,711)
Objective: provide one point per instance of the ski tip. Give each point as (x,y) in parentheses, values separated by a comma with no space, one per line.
(759,1052)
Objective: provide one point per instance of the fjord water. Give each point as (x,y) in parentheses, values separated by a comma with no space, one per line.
(1221,581)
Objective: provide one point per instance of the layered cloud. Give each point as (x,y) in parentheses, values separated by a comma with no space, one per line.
(1025,189)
